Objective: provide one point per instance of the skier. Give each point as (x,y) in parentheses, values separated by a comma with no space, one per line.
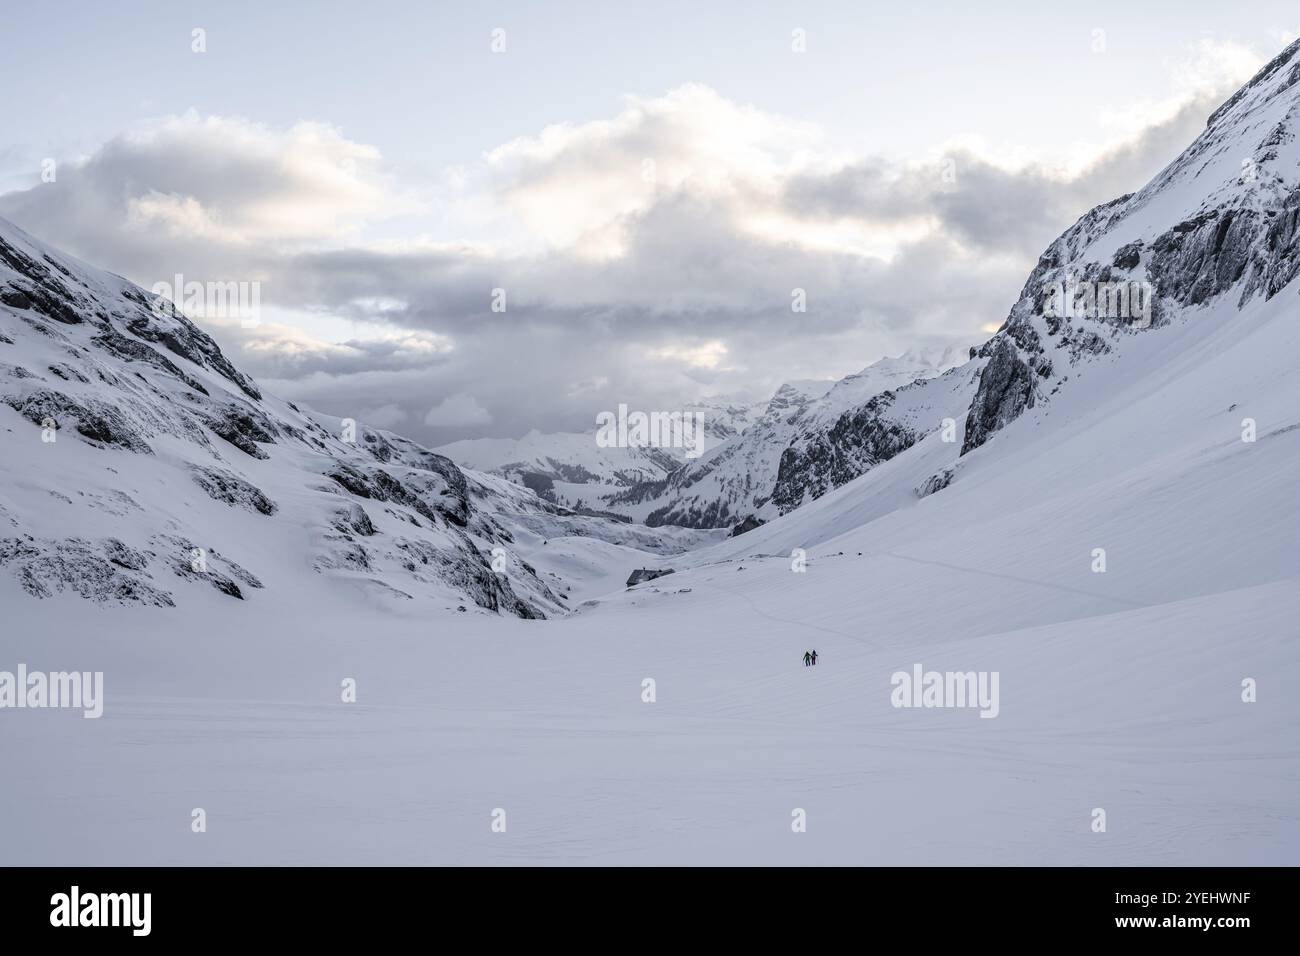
(814,658)
(807,658)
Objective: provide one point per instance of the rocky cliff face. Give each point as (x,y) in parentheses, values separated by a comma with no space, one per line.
(858,440)
(729,482)
(574,470)
(1221,220)
(741,478)
(139,463)
(183,473)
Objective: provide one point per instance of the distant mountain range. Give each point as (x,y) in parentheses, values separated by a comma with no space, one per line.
(733,479)
(138,461)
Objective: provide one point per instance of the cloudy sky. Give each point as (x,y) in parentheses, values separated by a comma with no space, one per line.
(646,182)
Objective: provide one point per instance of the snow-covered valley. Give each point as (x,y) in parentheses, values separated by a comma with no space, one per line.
(1104,515)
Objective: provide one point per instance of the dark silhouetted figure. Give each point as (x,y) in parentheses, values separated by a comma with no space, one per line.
(807,658)
(814,658)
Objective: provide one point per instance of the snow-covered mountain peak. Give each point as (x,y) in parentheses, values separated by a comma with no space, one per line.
(140,465)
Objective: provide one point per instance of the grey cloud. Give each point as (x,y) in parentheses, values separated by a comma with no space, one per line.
(988,207)
(579,333)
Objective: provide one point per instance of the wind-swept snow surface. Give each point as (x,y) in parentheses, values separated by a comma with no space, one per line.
(1131,708)
(1120,691)
(1098,555)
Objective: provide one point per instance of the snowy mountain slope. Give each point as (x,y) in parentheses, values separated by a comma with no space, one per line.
(1147,461)
(1141,417)
(1221,220)
(580,556)
(1120,689)
(139,464)
(727,416)
(539,460)
(735,480)
(572,469)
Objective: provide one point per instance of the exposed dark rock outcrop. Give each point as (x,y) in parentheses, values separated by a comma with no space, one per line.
(133,350)
(936,482)
(229,488)
(1275,261)
(426,493)
(132,372)
(642,575)
(94,420)
(487,588)
(242,426)
(68,373)
(188,560)
(732,481)
(714,514)
(453,495)
(1269,70)
(1128,257)
(106,571)
(45,292)
(1006,388)
(354,519)
(1203,257)
(15,298)
(859,440)
(182,337)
